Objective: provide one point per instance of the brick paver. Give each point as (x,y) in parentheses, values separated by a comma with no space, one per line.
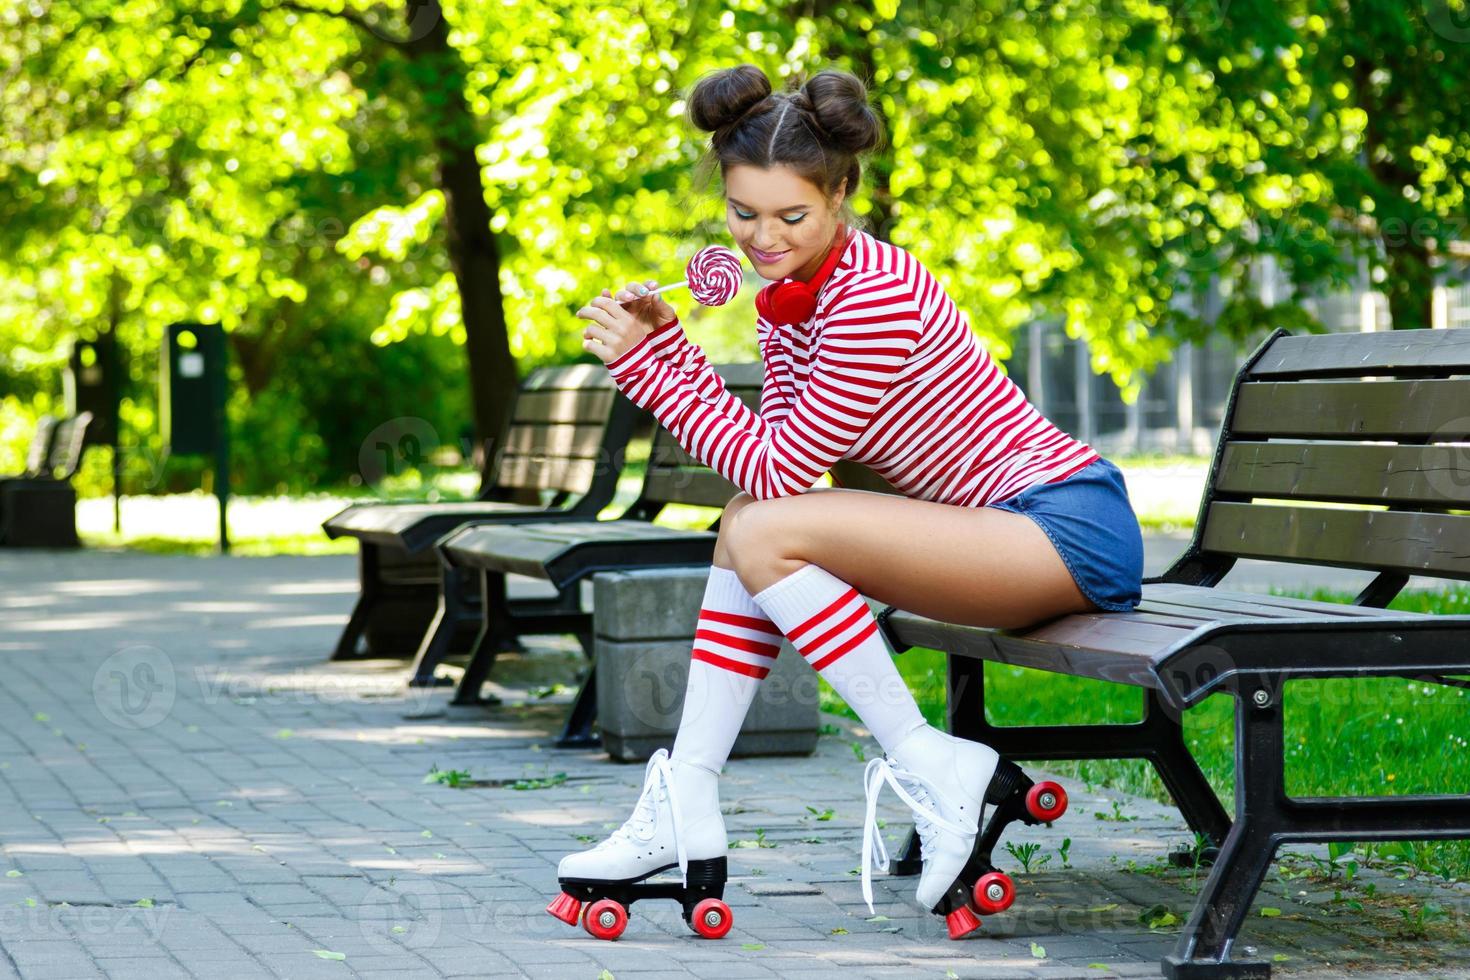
(187,788)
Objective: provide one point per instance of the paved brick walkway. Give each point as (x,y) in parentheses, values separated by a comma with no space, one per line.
(188,789)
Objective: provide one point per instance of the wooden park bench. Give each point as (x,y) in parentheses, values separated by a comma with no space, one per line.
(38,506)
(1342,418)
(569,430)
(565,553)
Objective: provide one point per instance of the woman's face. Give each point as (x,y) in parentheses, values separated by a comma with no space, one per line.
(780,220)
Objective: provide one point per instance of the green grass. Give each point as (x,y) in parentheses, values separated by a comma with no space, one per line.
(1364,737)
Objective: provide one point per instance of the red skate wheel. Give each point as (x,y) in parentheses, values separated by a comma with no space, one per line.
(1046,801)
(605,919)
(711,918)
(961,922)
(994,892)
(566,908)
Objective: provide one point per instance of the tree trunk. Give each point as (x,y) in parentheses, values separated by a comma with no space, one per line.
(473,255)
(1410,282)
(839,46)
(1410,286)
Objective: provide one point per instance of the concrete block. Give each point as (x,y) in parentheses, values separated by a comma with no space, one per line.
(643,625)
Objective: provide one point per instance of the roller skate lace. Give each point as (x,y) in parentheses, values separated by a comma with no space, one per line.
(927,820)
(657,775)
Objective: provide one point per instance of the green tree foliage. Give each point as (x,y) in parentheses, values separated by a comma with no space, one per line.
(391,206)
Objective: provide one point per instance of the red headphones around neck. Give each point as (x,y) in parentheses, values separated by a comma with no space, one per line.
(793,301)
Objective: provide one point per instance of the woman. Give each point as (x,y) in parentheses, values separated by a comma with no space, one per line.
(1004,521)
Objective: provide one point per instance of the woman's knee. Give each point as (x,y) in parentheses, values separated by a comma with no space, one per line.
(751,536)
(723,556)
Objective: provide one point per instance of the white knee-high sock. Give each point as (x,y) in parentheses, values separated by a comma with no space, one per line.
(735,646)
(833,628)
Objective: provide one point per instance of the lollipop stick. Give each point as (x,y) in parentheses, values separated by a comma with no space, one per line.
(655,292)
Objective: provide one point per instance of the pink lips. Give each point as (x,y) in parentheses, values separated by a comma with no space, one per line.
(767,256)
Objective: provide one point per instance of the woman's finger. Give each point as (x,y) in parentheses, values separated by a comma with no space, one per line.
(596,314)
(607,303)
(594,332)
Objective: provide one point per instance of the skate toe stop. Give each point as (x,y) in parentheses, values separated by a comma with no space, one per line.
(961,922)
(566,908)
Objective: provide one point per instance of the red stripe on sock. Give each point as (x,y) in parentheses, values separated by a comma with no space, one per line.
(869,631)
(816,645)
(824,615)
(735,619)
(739,643)
(735,666)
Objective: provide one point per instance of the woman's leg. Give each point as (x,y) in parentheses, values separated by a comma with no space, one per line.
(807,558)
(735,646)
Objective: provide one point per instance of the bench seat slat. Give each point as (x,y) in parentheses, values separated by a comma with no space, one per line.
(380,520)
(1222,599)
(1110,648)
(550,551)
(1124,647)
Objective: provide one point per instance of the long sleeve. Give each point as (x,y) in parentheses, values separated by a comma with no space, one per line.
(868,332)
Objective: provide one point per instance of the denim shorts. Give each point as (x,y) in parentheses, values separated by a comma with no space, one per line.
(1090,519)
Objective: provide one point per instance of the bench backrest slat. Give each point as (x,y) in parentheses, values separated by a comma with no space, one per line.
(559,424)
(1344,449)
(1403,353)
(1432,476)
(67,444)
(676,477)
(1386,540)
(1361,409)
(40,449)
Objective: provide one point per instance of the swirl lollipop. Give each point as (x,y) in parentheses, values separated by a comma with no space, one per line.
(712,275)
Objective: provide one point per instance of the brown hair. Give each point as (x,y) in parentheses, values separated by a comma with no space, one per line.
(817,128)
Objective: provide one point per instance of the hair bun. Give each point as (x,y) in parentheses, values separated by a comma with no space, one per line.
(721,98)
(838,102)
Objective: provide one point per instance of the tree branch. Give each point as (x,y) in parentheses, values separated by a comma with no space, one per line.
(352,18)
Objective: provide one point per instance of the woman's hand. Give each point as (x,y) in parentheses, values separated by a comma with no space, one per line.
(617,328)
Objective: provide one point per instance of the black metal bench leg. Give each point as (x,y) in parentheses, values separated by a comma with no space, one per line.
(367,574)
(487,643)
(437,639)
(1224,901)
(1220,910)
(1186,784)
(578,732)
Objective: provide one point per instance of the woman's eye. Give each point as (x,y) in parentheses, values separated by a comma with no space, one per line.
(790,221)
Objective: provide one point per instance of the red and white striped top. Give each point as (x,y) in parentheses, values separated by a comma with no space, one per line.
(886,372)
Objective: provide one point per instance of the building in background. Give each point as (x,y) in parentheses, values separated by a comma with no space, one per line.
(1182,403)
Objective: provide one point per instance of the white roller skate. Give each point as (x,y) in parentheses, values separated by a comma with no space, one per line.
(676,822)
(944,780)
